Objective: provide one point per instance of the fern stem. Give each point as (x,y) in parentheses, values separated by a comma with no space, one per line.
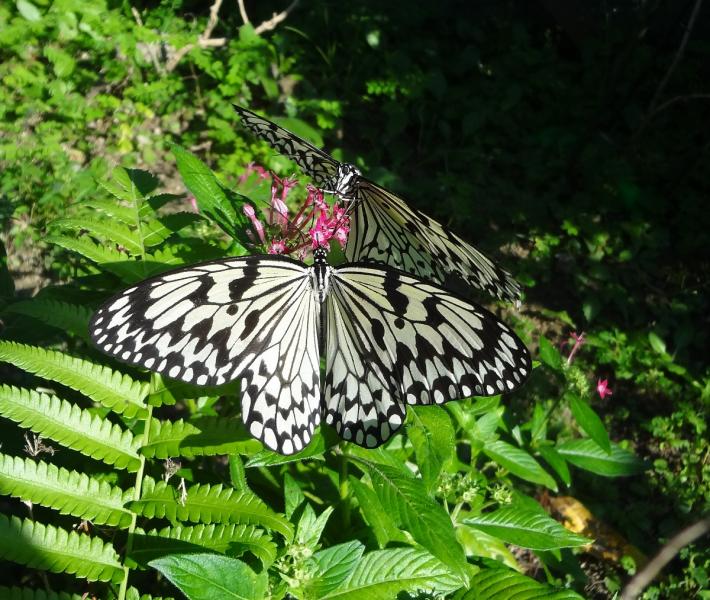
(136,496)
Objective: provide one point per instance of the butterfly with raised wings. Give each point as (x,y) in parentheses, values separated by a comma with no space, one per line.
(390,340)
(383,228)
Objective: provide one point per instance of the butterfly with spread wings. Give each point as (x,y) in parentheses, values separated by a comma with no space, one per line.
(390,340)
(383,227)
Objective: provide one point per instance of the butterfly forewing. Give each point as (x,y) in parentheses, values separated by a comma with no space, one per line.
(394,340)
(314,162)
(253,319)
(386,230)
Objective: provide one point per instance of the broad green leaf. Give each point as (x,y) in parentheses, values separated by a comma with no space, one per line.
(549,354)
(334,566)
(71,426)
(658,345)
(323,439)
(432,436)
(208,504)
(230,539)
(310,527)
(375,514)
(555,460)
(293,496)
(211,196)
(409,505)
(383,574)
(590,422)
(111,388)
(526,528)
(519,463)
(506,584)
(69,492)
(54,549)
(28,10)
(587,454)
(211,576)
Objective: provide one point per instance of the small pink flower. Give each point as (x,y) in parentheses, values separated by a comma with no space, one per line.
(258,226)
(603,389)
(277,247)
(261,172)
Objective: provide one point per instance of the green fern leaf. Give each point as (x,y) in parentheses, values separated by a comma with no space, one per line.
(69,492)
(69,425)
(111,388)
(125,214)
(208,504)
(158,230)
(104,230)
(113,261)
(206,436)
(18,593)
(67,317)
(230,539)
(58,550)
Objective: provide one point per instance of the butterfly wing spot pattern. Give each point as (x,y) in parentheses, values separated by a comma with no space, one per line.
(391,340)
(383,228)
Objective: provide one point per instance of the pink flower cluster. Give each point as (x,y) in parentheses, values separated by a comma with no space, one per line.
(314,225)
(603,388)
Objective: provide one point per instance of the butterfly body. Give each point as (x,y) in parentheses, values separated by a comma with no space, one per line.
(390,340)
(383,228)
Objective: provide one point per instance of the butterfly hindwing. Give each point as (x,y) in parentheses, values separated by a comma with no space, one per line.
(408,342)
(251,318)
(314,162)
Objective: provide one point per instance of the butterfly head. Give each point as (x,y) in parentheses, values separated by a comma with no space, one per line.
(320,256)
(347,181)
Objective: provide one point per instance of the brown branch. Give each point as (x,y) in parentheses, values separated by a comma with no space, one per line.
(271,23)
(676,60)
(243,12)
(203,41)
(639,582)
(275,19)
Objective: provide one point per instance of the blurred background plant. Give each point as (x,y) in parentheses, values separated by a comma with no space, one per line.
(566,139)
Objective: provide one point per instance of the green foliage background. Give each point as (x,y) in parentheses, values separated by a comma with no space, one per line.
(547,139)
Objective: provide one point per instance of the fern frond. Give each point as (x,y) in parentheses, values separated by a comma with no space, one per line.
(111,260)
(58,550)
(69,492)
(208,504)
(158,230)
(206,436)
(67,317)
(104,230)
(125,214)
(104,385)
(69,425)
(19,593)
(229,539)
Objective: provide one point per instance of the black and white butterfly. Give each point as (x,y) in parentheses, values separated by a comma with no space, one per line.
(383,228)
(390,340)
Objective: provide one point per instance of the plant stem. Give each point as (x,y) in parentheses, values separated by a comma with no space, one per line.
(136,496)
(345,491)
